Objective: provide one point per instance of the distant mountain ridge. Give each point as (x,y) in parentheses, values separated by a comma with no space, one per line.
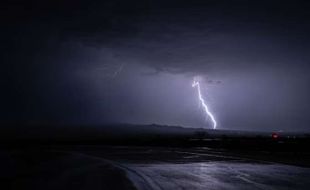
(93,132)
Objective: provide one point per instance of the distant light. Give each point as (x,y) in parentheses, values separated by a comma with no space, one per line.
(274,136)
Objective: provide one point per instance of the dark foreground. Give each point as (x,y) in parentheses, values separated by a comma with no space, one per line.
(122,167)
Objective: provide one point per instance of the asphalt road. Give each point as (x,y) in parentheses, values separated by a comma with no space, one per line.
(144,168)
(220,175)
(201,168)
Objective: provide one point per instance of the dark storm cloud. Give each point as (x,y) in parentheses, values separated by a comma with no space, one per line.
(178,36)
(60,59)
(198,37)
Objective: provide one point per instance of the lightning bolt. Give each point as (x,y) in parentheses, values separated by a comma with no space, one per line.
(206,109)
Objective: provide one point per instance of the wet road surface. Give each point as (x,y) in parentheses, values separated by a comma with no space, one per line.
(144,168)
(201,168)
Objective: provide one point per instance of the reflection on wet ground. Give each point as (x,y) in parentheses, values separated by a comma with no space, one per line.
(203,168)
(163,168)
(222,175)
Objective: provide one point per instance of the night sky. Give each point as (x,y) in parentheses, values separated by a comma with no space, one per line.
(71,62)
